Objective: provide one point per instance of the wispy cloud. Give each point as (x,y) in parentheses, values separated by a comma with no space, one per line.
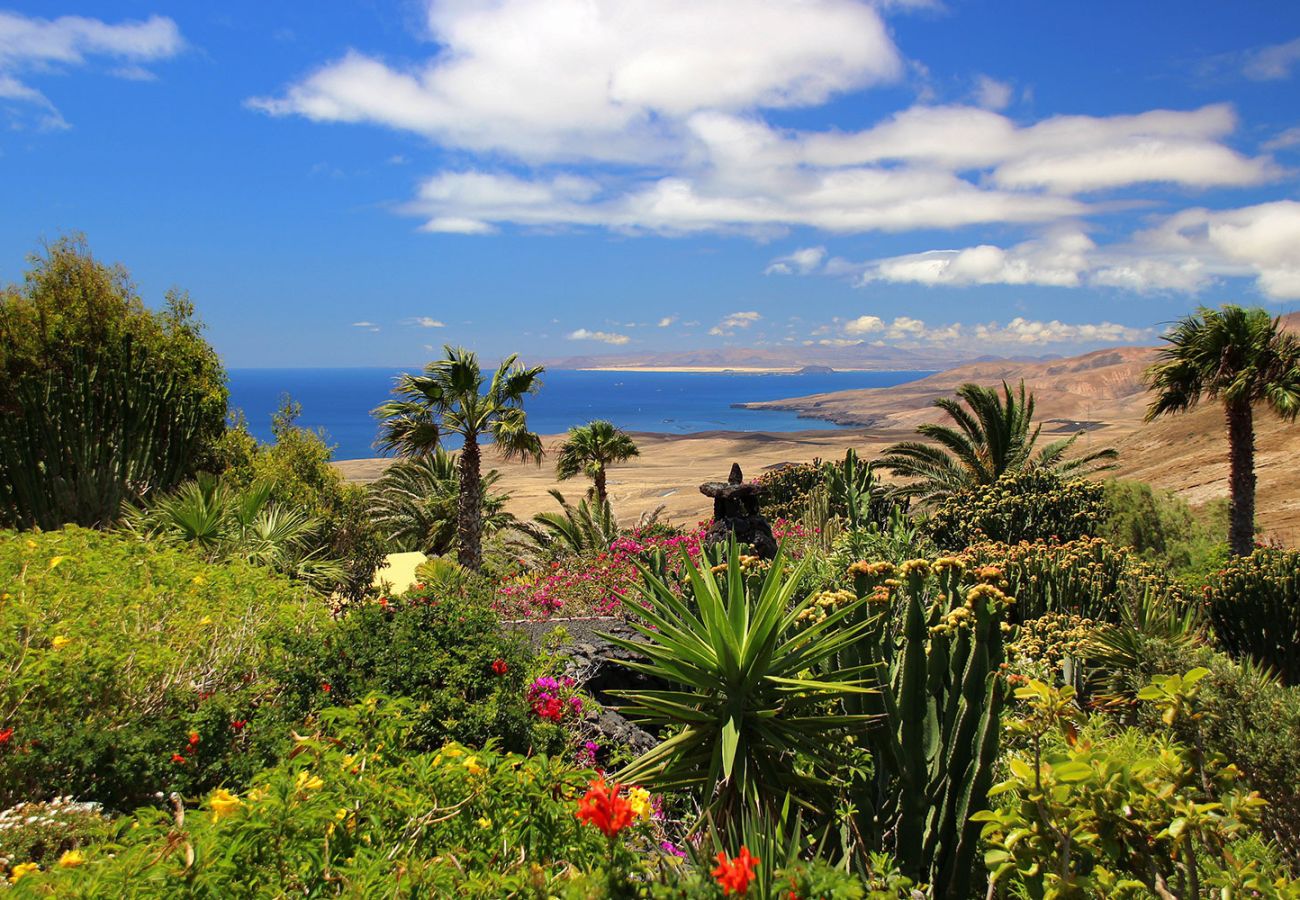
(604,337)
(31,46)
(801,261)
(366,326)
(1273,63)
(426,322)
(735,320)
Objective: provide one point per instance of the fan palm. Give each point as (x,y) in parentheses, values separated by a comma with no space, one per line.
(1243,358)
(996,435)
(414,503)
(590,449)
(453,396)
(248,525)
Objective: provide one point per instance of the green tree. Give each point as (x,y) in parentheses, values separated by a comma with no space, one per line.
(592,448)
(102,400)
(995,434)
(452,396)
(1243,358)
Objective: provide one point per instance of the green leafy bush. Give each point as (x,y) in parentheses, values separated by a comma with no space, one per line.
(1254,606)
(42,832)
(101,399)
(786,489)
(132,668)
(1031,505)
(1162,528)
(448,653)
(1090,811)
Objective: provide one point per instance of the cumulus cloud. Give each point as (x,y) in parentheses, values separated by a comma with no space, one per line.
(605,337)
(1020,332)
(427,322)
(31,45)
(666,321)
(1055,260)
(735,320)
(1272,63)
(801,261)
(661,104)
(864,325)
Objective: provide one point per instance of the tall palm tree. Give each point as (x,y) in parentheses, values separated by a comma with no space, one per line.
(1242,357)
(590,449)
(996,435)
(414,503)
(452,396)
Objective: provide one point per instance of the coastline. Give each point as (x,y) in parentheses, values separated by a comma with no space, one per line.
(721,370)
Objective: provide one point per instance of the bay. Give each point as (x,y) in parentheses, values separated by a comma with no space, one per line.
(339,400)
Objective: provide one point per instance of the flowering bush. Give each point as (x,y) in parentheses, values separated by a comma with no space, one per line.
(553,699)
(1254,604)
(118,652)
(1030,505)
(42,833)
(596,584)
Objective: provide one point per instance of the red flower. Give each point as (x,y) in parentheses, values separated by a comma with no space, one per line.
(178,759)
(238,724)
(325,686)
(194,738)
(499,666)
(605,809)
(734,875)
(6,735)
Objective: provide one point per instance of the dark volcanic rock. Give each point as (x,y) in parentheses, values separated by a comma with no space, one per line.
(735,511)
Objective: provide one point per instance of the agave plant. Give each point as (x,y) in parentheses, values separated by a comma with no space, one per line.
(748,723)
(227,524)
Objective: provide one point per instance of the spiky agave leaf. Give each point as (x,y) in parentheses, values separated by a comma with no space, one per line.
(748,710)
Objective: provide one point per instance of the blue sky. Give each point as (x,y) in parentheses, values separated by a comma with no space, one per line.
(352,183)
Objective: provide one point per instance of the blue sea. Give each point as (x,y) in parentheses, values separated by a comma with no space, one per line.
(340,400)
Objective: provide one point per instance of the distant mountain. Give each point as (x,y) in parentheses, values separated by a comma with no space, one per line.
(857,357)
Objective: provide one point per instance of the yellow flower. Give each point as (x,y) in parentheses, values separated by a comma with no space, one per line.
(71,859)
(199,579)
(55,561)
(639,800)
(472,764)
(21,870)
(60,641)
(223,804)
(308,782)
(453,751)
(484,822)
(206,620)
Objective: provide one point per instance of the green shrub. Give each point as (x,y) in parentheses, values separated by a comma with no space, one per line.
(42,832)
(101,399)
(1254,606)
(1088,811)
(786,489)
(1031,505)
(436,649)
(1162,528)
(132,668)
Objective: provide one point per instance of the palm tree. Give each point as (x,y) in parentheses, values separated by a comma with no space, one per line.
(588,527)
(451,396)
(414,503)
(1242,357)
(590,449)
(995,436)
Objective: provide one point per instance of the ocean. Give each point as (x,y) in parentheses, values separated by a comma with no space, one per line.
(340,400)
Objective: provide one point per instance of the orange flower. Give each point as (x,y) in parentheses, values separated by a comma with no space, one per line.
(604,808)
(734,875)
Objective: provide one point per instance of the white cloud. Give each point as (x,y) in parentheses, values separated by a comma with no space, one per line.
(802,261)
(666,321)
(991,93)
(661,103)
(1055,260)
(427,322)
(864,325)
(1273,63)
(605,337)
(31,45)
(363,324)
(1285,140)
(733,321)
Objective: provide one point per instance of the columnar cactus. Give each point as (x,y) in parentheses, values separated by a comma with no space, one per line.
(936,648)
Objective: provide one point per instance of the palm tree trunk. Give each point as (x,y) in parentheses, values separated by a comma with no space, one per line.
(1241,458)
(600,485)
(469,508)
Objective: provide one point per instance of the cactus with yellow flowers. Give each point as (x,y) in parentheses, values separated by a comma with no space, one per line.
(937,646)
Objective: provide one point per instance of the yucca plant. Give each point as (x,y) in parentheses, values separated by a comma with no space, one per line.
(745,719)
